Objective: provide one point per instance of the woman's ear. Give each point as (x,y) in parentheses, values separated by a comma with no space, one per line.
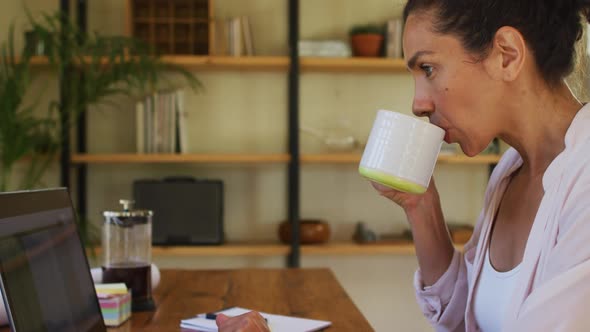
(507,56)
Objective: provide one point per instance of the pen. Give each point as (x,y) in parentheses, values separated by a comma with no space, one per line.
(212,315)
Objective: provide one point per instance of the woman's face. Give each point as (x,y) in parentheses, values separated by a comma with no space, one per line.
(452,86)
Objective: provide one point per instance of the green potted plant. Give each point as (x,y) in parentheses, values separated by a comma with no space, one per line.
(23,133)
(99,67)
(366,39)
(93,68)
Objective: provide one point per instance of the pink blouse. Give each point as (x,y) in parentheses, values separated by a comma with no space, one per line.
(552,291)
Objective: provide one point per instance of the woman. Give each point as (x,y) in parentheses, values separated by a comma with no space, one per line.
(496,68)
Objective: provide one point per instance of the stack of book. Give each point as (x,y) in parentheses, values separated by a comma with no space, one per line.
(160,123)
(324,48)
(393,38)
(115,303)
(233,37)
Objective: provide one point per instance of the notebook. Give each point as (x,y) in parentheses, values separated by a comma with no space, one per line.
(275,322)
(45,278)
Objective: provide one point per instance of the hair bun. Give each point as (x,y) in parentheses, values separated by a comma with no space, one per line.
(584,8)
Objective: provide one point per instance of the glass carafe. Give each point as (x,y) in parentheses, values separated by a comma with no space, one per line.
(127,251)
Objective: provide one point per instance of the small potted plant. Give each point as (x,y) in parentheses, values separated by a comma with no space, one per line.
(366,39)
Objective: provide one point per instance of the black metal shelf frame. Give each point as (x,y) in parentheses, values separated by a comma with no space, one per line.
(294,164)
(81,135)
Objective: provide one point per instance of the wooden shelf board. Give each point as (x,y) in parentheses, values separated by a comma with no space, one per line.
(350,158)
(276,249)
(327,158)
(331,158)
(336,248)
(282,249)
(462,159)
(350,248)
(167,20)
(352,64)
(179,158)
(39,61)
(279,249)
(282,63)
(258,63)
(276,63)
(229,62)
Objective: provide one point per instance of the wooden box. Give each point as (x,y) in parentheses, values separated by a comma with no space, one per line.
(172,26)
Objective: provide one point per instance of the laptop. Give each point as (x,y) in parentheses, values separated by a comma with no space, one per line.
(45,276)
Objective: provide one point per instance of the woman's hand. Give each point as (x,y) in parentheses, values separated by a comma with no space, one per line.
(249,322)
(411,203)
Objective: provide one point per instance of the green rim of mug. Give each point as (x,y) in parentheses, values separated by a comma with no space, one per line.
(392,181)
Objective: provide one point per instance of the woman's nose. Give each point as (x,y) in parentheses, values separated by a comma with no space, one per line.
(422,105)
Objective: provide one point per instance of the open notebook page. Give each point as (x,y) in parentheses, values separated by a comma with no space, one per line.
(275,322)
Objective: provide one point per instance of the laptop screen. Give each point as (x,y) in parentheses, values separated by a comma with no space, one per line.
(45,276)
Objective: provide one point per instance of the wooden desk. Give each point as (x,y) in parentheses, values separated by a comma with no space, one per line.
(309,293)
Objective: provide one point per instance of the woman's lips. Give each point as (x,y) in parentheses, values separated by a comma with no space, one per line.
(447,137)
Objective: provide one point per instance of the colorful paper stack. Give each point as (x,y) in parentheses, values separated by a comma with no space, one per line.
(115,303)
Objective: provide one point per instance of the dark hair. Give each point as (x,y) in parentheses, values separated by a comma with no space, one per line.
(550,27)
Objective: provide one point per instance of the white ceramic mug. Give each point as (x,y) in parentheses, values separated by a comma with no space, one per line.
(401,152)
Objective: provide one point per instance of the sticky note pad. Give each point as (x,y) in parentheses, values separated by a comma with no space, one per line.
(115,308)
(110,289)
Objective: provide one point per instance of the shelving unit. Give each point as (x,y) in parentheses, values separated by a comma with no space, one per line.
(294,66)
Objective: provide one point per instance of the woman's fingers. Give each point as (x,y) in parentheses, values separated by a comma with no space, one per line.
(249,322)
(221,319)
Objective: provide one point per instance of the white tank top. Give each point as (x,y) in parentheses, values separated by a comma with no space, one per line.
(492,294)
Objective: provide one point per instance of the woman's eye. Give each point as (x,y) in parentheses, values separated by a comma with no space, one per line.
(427,70)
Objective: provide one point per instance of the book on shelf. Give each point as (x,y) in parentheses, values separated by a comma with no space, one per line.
(158,122)
(220,38)
(181,124)
(393,38)
(247,35)
(233,37)
(324,48)
(140,126)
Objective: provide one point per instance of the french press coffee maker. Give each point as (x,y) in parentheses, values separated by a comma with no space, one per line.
(127,246)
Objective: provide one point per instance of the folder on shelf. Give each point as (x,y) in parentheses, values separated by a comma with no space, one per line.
(206,322)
